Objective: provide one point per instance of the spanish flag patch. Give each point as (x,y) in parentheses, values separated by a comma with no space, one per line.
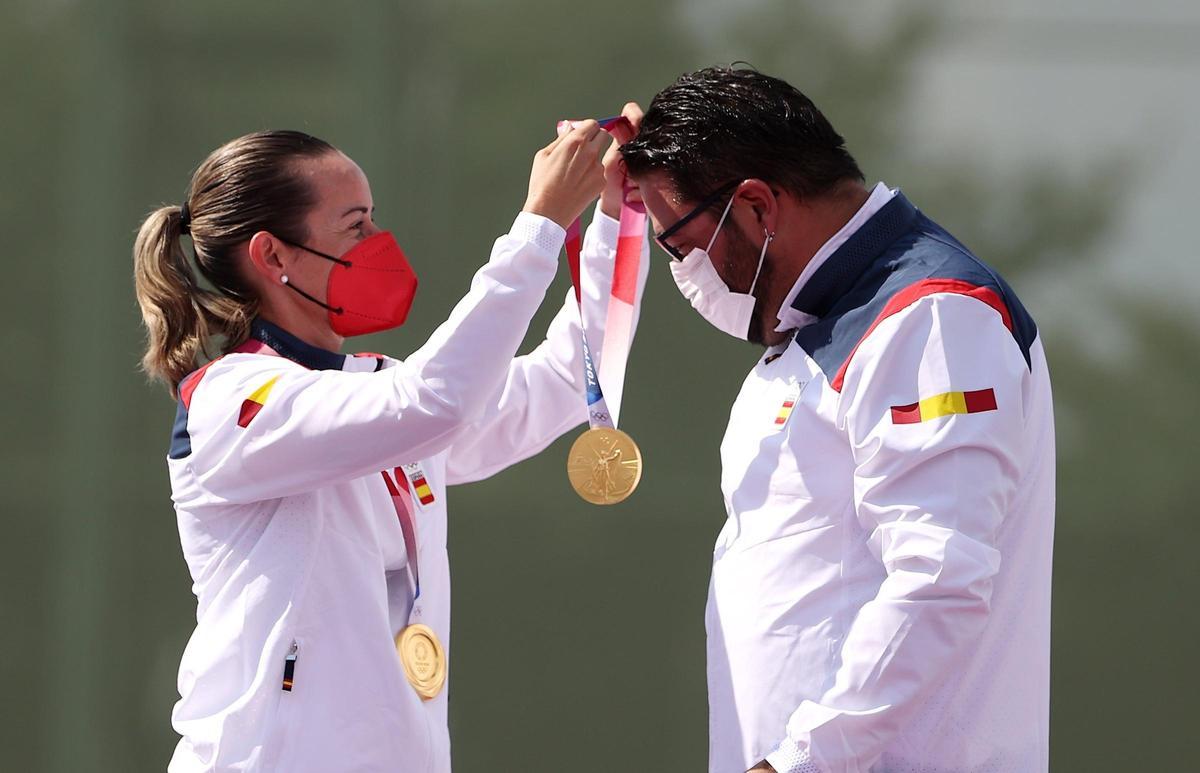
(421,487)
(979,401)
(789,405)
(254,403)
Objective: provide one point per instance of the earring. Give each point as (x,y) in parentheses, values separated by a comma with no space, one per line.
(283,279)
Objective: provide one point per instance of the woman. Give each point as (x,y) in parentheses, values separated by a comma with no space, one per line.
(310,486)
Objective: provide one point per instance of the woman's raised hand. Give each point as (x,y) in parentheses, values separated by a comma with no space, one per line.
(567,174)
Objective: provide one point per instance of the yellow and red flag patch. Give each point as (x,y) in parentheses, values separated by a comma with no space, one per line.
(789,405)
(420,485)
(785,411)
(422,490)
(254,403)
(979,401)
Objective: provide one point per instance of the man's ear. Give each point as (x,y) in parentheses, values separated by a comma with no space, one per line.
(762,203)
(266,257)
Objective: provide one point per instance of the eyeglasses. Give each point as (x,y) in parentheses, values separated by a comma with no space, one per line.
(681,222)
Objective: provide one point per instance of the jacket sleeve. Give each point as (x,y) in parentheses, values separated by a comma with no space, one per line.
(934,407)
(543,396)
(314,428)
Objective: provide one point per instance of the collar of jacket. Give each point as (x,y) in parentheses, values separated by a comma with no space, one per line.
(838,274)
(288,345)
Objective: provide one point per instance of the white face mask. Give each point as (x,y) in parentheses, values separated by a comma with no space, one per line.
(699,282)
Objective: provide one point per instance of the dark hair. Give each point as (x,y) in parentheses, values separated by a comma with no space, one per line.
(248,185)
(725,123)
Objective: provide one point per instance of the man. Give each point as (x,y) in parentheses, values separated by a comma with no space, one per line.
(880,595)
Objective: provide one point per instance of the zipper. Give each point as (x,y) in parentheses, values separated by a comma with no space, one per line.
(289,666)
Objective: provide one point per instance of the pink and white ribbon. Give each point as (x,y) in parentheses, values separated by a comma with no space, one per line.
(604,404)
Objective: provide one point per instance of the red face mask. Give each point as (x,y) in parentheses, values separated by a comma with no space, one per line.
(371,286)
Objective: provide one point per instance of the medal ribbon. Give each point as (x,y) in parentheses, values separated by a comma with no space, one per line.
(618,327)
(402,500)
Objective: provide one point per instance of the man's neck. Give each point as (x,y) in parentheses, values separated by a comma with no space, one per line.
(815,223)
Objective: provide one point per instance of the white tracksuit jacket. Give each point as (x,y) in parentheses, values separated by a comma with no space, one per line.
(291,535)
(880,593)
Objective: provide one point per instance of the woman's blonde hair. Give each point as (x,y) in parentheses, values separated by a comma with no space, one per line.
(248,185)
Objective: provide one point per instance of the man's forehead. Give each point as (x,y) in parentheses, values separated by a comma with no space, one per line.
(661,188)
(661,199)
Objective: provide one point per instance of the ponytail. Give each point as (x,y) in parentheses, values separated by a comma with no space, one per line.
(181,317)
(250,184)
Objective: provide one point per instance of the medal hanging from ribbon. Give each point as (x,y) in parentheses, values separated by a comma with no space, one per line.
(421,654)
(605,464)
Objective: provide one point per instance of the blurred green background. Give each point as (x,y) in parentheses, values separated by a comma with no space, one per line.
(1057,140)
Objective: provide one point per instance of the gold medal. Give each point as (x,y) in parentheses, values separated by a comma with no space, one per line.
(423,659)
(604,465)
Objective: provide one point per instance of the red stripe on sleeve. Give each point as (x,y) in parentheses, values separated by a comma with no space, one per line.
(249,410)
(189,386)
(906,414)
(980,401)
(913,293)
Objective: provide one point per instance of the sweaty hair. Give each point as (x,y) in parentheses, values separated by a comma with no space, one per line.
(251,184)
(721,124)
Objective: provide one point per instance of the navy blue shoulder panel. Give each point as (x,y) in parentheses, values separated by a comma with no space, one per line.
(848,308)
(181,441)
